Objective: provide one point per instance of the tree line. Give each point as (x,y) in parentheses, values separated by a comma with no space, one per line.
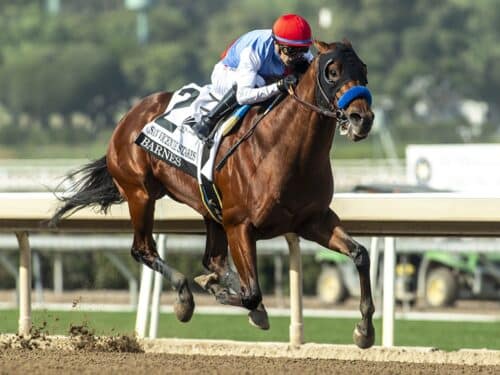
(75,72)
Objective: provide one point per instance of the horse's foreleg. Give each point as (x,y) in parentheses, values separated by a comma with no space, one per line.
(244,253)
(143,250)
(222,282)
(326,230)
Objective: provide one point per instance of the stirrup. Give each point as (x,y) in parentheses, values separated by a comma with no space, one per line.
(208,141)
(199,130)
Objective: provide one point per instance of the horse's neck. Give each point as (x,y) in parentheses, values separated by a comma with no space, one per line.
(300,134)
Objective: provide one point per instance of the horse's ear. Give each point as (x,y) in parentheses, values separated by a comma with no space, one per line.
(322,47)
(347,42)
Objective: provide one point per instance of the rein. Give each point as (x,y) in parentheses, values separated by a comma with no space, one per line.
(312,107)
(338,115)
(247,135)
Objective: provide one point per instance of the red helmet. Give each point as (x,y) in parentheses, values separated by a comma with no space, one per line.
(292,30)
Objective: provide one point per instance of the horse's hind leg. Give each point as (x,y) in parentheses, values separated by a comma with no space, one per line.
(141,207)
(326,230)
(222,282)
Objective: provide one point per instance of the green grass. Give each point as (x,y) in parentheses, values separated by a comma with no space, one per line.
(443,335)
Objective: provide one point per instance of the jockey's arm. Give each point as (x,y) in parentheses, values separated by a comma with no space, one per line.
(250,87)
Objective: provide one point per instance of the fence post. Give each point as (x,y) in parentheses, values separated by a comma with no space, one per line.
(141,320)
(24,283)
(388,297)
(296,319)
(58,274)
(374,263)
(158,284)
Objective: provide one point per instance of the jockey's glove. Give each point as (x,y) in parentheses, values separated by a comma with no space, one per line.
(286,82)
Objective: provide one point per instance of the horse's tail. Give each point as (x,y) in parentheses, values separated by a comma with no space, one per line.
(91,185)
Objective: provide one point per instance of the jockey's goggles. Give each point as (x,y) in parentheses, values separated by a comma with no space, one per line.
(293,51)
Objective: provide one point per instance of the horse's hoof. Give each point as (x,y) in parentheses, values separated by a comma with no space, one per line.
(184,304)
(258,317)
(184,309)
(363,339)
(206,280)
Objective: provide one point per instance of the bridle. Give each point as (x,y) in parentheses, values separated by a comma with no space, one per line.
(339,115)
(323,105)
(321,111)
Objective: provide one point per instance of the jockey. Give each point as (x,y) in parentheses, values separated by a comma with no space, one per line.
(254,60)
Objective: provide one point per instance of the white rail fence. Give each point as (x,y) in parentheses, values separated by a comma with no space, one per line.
(110,245)
(386,215)
(29,175)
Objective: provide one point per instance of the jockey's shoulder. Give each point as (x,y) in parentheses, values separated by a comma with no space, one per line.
(259,36)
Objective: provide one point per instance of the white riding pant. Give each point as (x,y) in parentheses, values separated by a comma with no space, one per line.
(224,78)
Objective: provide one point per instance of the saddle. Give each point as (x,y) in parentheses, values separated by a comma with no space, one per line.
(170,137)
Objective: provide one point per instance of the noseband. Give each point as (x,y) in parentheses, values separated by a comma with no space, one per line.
(325,89)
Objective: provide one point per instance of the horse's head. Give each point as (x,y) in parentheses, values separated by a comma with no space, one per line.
(341,86)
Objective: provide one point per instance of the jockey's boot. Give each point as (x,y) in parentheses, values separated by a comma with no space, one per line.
(208,121)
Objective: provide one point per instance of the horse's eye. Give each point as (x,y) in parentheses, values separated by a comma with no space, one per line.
(333,74)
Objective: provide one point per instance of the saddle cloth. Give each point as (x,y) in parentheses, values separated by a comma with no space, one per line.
(170,137)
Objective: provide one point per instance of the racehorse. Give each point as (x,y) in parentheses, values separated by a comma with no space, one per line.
(277,181)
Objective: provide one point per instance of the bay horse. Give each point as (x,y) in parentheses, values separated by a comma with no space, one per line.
(277,181)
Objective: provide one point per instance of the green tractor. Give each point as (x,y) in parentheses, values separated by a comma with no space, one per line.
(444,277)
(437,277)
(338,278)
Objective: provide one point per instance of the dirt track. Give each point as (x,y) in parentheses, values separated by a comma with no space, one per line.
(18,361)
(83,353)
(90,355)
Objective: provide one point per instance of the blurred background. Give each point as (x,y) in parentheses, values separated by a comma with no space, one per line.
(70,69)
